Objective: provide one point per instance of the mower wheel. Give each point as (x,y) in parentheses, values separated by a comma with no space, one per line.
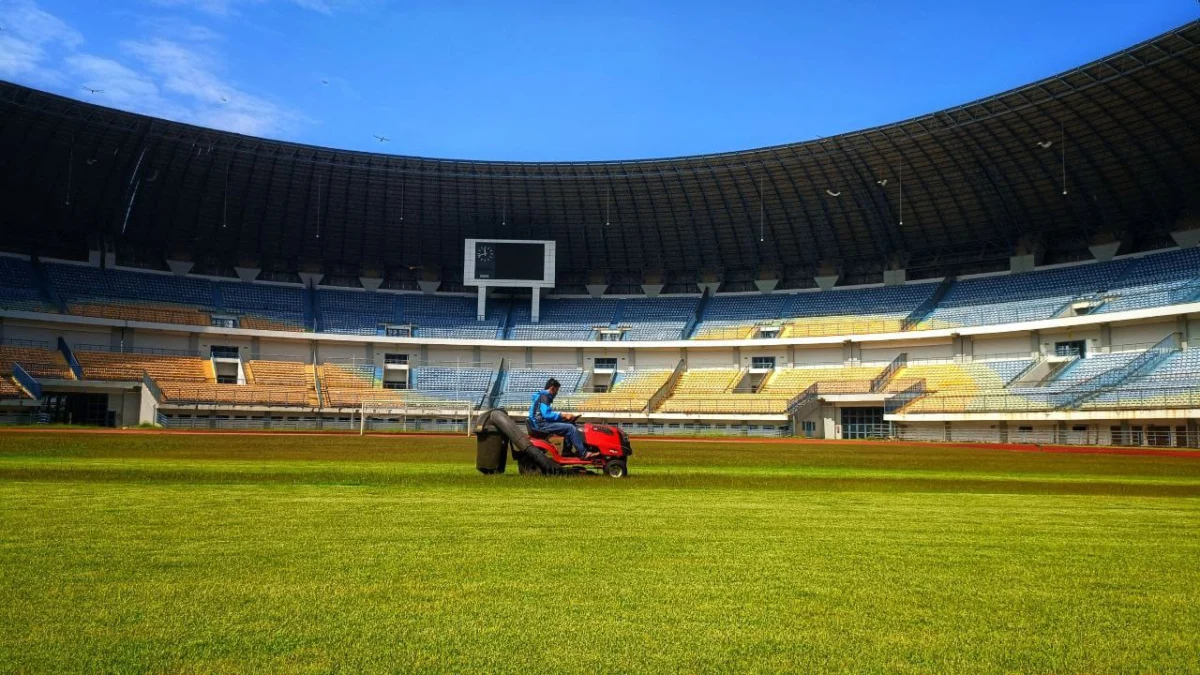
(616,468)
(527,468)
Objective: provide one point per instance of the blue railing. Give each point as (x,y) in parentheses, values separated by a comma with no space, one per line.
(26,381)
(70,357)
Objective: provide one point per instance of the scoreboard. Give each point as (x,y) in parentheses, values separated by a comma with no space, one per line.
(508,262)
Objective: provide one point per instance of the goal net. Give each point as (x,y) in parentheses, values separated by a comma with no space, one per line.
(416,415)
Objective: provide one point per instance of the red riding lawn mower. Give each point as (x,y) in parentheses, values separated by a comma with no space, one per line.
(496,432)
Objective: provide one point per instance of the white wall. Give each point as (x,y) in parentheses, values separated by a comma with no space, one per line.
(287,350)
(1010,344)
(818,355)
(1141,333)
(915,352)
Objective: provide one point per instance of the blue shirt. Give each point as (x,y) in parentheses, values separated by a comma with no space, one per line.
(540,410)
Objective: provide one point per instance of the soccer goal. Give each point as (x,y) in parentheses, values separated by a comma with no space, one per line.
(417,415)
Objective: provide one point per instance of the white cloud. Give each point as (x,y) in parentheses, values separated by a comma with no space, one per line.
(181,77)
(195,77)
(233,7)
(30,37)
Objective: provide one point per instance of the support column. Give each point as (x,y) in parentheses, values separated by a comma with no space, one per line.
(1035,344)
(1105,338)
(1184,328)
(1193,432)
(481,304)
(536,310)
(1002,427)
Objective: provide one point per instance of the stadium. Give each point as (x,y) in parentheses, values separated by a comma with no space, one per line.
(1016,273)
(885,283)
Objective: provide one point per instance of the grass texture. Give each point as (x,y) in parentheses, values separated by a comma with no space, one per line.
(280,553)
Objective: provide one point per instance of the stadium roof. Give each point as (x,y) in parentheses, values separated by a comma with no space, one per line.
(951,191)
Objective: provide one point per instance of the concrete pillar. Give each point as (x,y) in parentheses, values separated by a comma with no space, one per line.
(481,304)
(424,354)
(369,352)
(632,358)
(1002,427)
(791,355)
(737,357)
(1193,432)
(579,356)
(949,431)
(1105,338)
(529,357)
(194,343)
(476,355)
(1035,344)
(1184,328)
(255,351)
(535,311)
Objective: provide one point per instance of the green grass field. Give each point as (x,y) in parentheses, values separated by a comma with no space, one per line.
(170,553)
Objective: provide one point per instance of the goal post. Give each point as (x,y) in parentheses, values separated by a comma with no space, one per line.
(404,411)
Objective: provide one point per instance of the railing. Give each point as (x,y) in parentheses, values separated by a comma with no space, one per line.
(152,386)
(911,393)
(1089,435)
(667,388)
(1097,384)
(1026,370)
(69,355)
(803,401)
(1188,292)
(883,378)
(922,310)
(24,344)
(26,381)
(149,351)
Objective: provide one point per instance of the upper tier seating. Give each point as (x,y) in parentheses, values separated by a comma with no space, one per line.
(451,316)
(265,306)
(656,318)
(1164,278)
(356,312)
(18,288)
(566,319)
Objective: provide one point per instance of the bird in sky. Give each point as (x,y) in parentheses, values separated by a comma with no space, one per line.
(224,100)
(93,91)
(831,193)
(382,139)
(325,82)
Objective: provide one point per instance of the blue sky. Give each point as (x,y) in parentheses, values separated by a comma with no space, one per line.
(554,80)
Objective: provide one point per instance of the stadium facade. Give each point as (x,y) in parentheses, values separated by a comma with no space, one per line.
(1023,267)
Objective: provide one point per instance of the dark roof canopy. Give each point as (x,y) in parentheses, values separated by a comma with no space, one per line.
(950,191)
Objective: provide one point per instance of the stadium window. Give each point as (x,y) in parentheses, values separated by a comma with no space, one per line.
(223,352)
(398,331)
(762,363)
(600,389)
(768,332)
(395,359)
(1070,348)
(226,379)
(395,384)
(223,322)
(605,364)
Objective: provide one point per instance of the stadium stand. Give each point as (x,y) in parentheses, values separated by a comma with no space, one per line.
(130,366)
(566,319)
(656,318)
(520,383)
(18,287)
